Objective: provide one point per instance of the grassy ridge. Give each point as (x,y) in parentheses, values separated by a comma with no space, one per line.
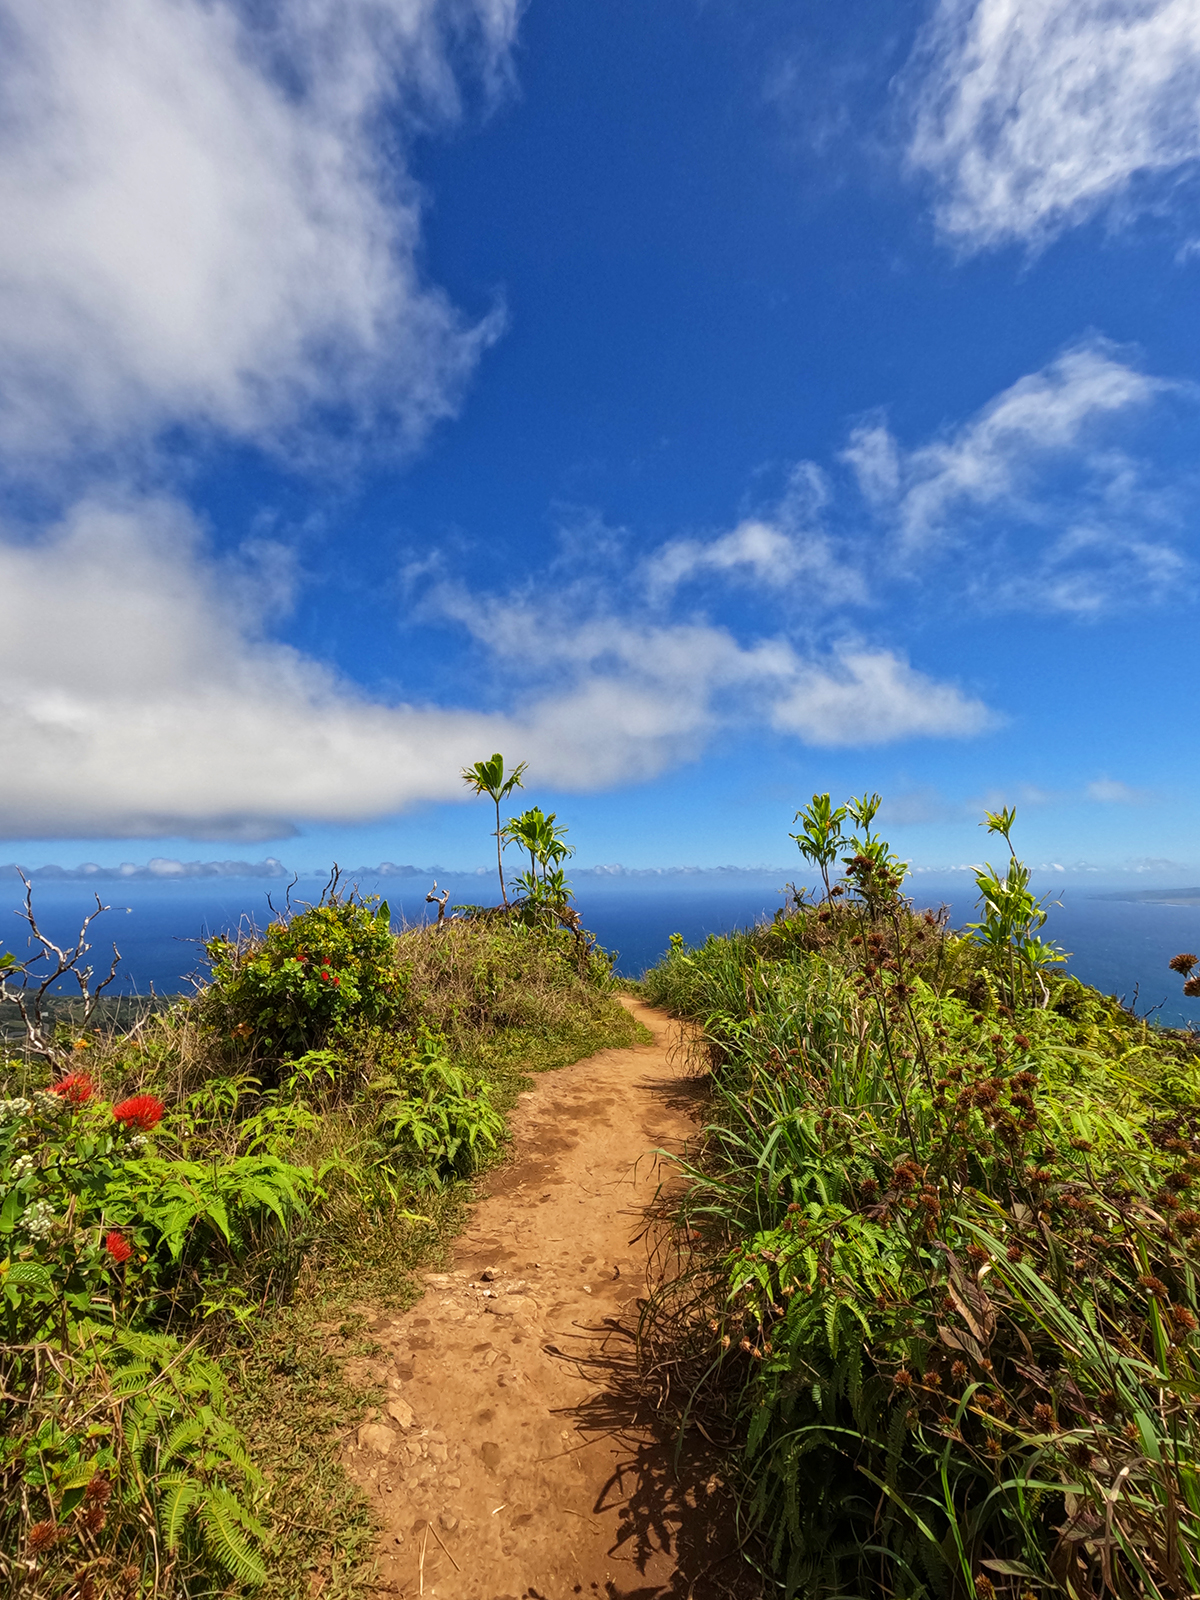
(192,1213)
(940,1286)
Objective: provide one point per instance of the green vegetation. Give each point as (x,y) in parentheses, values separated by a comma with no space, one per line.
(190,1206)
(936,1278)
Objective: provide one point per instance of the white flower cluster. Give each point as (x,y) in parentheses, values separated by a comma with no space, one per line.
(138,1142)
(21,1166)
(38,1220)
(46,1102)
(20,1107)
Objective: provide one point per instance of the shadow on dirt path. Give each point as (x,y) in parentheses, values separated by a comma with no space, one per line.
(514,1458)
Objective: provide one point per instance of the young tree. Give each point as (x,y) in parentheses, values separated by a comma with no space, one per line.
(490,778)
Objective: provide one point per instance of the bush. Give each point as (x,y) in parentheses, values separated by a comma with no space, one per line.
(942,1295)
(263,1148)
(295,987)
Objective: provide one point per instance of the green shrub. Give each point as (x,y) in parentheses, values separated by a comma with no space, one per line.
(292,989)
(943,1292)
(433,1122)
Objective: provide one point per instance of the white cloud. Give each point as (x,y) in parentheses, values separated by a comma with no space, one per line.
(688,679)
(201,227)
(991,458)
(778,550)
(152,706)
(1032,115)
(1029,496)
(865,697)
(1110,791)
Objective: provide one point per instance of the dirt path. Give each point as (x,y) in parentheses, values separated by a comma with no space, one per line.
(513,1459)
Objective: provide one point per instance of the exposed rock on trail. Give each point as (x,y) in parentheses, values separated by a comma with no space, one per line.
(512,1457)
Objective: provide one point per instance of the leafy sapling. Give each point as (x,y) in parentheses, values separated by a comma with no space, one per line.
(490,778)
(821,835)
(542,835)
(1012,915)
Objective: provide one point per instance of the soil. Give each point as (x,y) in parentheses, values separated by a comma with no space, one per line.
(515,1457)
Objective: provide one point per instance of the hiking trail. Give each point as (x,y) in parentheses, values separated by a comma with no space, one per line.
(513,1457)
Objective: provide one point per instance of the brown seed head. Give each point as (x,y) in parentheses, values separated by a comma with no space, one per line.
(41,1536)
(1182,963)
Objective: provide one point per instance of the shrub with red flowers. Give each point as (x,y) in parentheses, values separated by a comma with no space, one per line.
(118,1246)
(77,1088)
(140,1113)
(291,989)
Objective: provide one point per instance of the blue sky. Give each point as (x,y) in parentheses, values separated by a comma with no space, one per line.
(708,403)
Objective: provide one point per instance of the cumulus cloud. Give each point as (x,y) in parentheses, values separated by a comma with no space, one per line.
(783,548)
(869,696)
(201,227)
(155,707)
(1030,117)
(688,679)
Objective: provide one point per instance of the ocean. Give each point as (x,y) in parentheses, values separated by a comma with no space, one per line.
(1120,946)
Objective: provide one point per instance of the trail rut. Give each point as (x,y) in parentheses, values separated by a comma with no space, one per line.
(513,1458)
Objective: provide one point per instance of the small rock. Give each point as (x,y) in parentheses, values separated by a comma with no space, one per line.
(489,1274)
(438,1452)
(400,1412)
(448,1522)
(452,1483)
(374,1436)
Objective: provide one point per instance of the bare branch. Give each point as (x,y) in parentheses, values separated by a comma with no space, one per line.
(30,992)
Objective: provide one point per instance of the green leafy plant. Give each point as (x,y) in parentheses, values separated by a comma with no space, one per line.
(935,1279)
(289,991)
(490,778)
(820,838)
(432,1120)
(1011,918)
(544,887)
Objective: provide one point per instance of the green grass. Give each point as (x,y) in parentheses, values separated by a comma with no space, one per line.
(939,1298)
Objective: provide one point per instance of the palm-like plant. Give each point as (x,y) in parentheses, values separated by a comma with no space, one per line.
(542,835)
(490,778)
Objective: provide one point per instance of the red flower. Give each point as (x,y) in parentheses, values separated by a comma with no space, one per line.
(75,1089)
(118,1247)
(336,978)
(142,1112)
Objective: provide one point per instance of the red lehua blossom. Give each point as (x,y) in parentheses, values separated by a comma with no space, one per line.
(336,978)
(141,1111)
(75,1089)
(118,1247)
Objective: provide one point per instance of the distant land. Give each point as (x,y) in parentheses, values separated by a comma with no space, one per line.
(1159,897)
(165,869)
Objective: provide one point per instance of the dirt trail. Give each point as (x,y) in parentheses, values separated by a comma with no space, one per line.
(513,1458)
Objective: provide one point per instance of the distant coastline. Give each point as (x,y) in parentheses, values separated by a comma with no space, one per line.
(1161,897)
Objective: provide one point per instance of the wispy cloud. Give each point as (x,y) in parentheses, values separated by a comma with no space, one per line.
(1112,792)
(784,547)
(203,226)
(1033,496)
(992,459)
(1031,117)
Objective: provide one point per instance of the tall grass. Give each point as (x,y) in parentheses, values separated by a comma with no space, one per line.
(936,1284)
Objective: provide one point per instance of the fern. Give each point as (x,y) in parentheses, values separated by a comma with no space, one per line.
(224,1523)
